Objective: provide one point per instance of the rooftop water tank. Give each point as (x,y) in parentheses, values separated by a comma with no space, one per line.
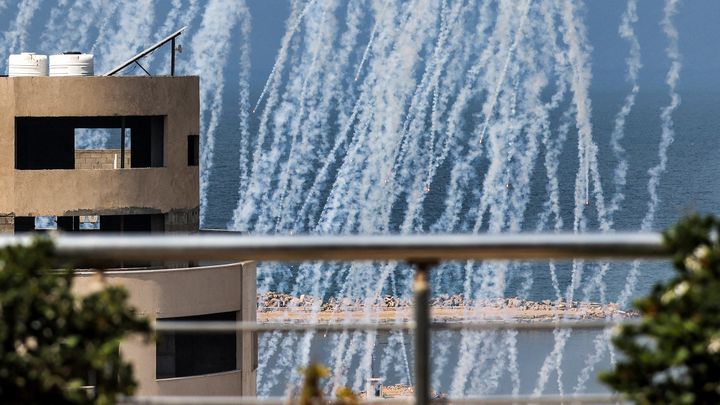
(28,64)
(72,64)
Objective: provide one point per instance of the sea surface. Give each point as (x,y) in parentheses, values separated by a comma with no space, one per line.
(691,183)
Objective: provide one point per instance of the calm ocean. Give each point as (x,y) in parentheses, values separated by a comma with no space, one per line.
(690,184)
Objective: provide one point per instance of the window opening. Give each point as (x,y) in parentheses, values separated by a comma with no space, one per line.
(193,150)
(102,148)
(187,354)
(89,142)
(45,223)
(89,223)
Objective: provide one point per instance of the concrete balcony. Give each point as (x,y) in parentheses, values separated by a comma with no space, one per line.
(101,192)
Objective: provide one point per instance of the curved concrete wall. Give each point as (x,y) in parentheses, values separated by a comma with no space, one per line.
(168,293)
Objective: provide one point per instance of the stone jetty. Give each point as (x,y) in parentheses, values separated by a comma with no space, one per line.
(278,307)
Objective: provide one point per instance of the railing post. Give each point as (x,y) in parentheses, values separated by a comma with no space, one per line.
(421,292)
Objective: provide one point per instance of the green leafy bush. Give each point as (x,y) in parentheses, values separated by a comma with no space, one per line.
(673,354)
(53,345)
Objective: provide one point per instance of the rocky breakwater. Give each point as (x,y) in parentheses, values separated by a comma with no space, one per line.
(274,306)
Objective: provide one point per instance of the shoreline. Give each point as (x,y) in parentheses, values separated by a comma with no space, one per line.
(278,307)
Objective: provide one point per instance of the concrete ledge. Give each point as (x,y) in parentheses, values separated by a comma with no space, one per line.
(63,192)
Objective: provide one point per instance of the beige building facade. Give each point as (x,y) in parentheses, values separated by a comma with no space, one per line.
(141,176)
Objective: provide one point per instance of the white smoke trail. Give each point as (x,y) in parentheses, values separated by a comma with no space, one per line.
(103,28)
(489,106)
(244,94)
(633,63)
(209,52)
(667,131)
(282,54)
(499,38)
(169,24)
(412,153)
(69,29)
(575,38)
(362,162)
(552,362)
(183,17)
(131,30)
(366,53)
(261,163)
(578,54)
(334,85)
(386,127)
(666,137)
(15,38)
(503,138)
(305,112)
(600,347)
(382,118)
(389,54)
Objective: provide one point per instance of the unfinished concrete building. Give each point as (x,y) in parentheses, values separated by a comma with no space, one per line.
(141,177)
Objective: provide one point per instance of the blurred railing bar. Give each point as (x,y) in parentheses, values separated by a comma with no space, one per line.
(81,249)
(232,400)
(487,400)
(542,399)
(422,251)
(245,326)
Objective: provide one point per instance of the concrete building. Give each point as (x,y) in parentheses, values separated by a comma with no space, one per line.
(144,178)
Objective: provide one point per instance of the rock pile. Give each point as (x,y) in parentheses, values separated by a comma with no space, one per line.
(273,301)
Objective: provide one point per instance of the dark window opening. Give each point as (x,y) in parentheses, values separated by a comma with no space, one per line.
(143,223)
(193,150)
(65,142)
(44,223)
(187,354)
(138,223)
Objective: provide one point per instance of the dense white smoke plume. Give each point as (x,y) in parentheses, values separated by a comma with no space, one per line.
(393,116)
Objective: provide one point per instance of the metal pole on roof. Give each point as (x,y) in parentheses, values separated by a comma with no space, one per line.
(147,51)
(172,58)
(122,143)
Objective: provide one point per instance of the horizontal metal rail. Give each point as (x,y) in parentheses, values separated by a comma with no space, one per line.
(485,400)
(542,399)
(236,400)
(480,326)
(91,249)
(420,250)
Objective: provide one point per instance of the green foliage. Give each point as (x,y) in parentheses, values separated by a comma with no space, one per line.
(312,394)
(52,343)
(672,355)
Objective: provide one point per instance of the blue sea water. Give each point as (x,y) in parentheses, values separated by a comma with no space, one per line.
(691,182)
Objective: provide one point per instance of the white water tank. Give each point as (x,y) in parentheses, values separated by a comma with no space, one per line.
(72,64)
(28,64)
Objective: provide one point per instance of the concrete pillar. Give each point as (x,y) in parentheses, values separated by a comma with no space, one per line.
(7,224)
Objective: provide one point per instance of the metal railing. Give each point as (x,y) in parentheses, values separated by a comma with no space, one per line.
(422,251)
